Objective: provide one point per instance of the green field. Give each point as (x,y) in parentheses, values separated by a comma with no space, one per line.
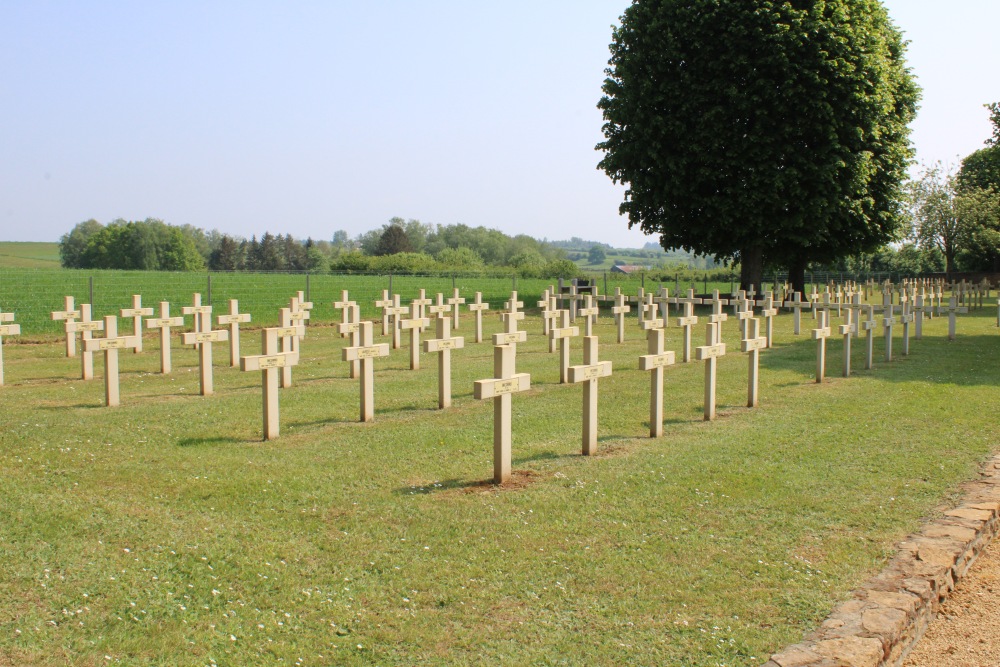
(165,532)
(25,255)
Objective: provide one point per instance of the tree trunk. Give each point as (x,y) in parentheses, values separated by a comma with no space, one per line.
(797,275)
(752,268)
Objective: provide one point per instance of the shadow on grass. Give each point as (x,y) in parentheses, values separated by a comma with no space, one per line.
(219,440)
(519,479)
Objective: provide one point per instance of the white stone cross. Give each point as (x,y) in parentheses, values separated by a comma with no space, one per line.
(415,324)
(346,303)
(952,310)
(233,319)
(396,311)
(551,316)
(351,326)
(513,305)
(477,307)
(199,313)
(905,318)
(563,333)
(752,345)
(796,304)
(500,388)
(710,353)
(510,335)
(455,302)
(717,316)
(268,363)
(655,361)
(768,311)
(110,345)
(136,312)
(888,310)
(164,323)
(848,329)
(744,312)
(204,340)
(663,296)
(620,309)
(640,304)
(868,326)
(686,321)
(919,306)
(820,334)
(384,303)
(68,313)
(366,353)
(422,302)
(543,304)
(589,313)
(86,326)
(439,309)
(588,374)
(443,345)
(7,328)
(304,305)
(292,321)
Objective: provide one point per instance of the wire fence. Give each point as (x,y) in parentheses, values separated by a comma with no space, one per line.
(33,294)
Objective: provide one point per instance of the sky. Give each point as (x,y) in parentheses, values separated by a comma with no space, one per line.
(312,117)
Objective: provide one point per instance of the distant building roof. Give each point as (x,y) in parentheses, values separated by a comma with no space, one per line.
(628,268)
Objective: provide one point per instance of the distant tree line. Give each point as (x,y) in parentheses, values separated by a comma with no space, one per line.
(402,246)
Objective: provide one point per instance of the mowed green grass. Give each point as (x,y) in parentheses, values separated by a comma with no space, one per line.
(29,255)
(165,532)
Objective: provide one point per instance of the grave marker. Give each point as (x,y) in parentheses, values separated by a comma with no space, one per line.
(136,312)
(110,345)
(415,324)
(384,303)
(455,302)
(164,322)
(268,363)
(905,318)
(655,361)
(69,314)
(351,326)
(686,322)
(820,334)
(500,388)
(440,308)
(7,328)
(443,345)
(952,311)
(563,333)
(395,311)
(796,304)
(752,345)
(868,326)
(204,340)
(233,320)
(887,322)
(199,313)
(848,329)
(588,374)
(589,313)
(768,311)
(620,309)
(366,353)
(422,302)
(86,326)
(478,307)
(710,353)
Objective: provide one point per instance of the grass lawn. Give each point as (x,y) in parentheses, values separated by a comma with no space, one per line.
(29,255)
(165,532)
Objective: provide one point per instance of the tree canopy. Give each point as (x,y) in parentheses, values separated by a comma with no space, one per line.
(766,132)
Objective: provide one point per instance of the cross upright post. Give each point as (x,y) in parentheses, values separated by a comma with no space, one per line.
(888,310)
(110,345)
(204,340)
(752,345)
(905,317)
(366,353)
(796,304)
(563,333)
(654,361)
(848,329)
(396,311)
(589,313)
(768,311)
(477,307)
(710,353)
(351,326)
(164,323)
(136,312)
(384,303)
(620,309)
(68,314)
(588,374)
(198,313)
(443,345)
(953,309)
(232,319)
(500,388)
(415,324)
(268,363)
(455,302)
(820,334)
(7,328)
(686,322)
(86,326)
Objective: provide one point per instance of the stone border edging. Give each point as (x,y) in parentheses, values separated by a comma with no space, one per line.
(888,615)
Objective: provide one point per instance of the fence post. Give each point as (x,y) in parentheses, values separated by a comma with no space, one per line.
(390,283)
(307,287)
(453,281)
(643,279)
(515,283)
(210,289)
(706,283)
(91,290)
(605,283)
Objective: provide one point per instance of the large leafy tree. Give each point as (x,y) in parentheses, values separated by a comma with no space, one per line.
(766,132)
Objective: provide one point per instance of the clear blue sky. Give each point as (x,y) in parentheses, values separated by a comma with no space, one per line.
(309,117)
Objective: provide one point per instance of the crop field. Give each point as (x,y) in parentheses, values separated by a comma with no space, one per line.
(165,531)
(26,255)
